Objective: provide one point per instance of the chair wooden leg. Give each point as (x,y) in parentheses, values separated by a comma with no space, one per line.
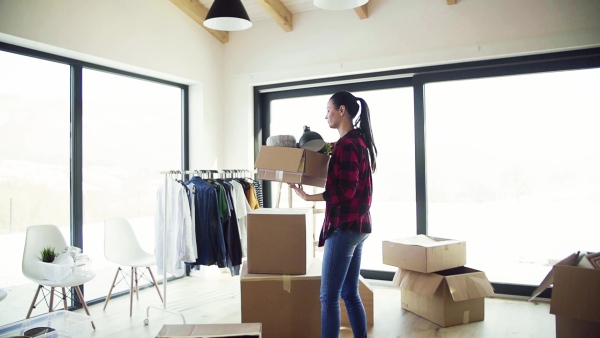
(112,286)
(137,287)
(85,307)
(155,285)
(33,303)
(51,306)
(131,294)
(64,293)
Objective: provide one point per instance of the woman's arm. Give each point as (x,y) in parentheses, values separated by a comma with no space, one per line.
(300,192)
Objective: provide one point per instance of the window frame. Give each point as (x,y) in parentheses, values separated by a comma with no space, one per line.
(76,131)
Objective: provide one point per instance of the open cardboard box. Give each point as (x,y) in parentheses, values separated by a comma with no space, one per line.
(424,253)
(292,165)
(575,298)
(449,297)
(211,330)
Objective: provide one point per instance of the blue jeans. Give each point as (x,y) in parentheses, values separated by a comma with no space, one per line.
(341,268)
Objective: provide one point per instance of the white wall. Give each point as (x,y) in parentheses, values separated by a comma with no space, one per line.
(397,34)
(151,37)
(154,37)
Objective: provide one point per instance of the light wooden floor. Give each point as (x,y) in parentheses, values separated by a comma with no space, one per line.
(216,299)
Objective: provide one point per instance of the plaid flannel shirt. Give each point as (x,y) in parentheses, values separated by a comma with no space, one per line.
(349,187)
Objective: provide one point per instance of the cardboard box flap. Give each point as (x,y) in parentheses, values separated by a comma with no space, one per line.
(589,260)
(318,164)
(424,284)
(469,285)
(282,211)
(425,241)
(549,279)
(314,272)
(576,293)
(280,158)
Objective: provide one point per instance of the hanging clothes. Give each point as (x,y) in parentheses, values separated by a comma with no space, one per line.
(259,193)
(209,230)
(191,191)
(180,245)
(250,193)
(231,232)
(242,208)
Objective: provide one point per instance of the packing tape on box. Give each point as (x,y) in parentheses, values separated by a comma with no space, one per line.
(466,317)
(285,279)
(287,283)
(279,175)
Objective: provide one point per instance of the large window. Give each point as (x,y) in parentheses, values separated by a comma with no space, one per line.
(393,208)
(133,127)
(500,153)
(131,131)
(513,168)
(34,156)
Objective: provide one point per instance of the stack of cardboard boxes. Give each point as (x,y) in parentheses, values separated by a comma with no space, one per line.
(575,297)
(434,282)
(280,279)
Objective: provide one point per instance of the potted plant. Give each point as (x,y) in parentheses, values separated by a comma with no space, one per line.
(48,254)
(51,269)
(327,148)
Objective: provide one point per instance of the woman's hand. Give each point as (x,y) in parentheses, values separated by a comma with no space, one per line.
(299,191)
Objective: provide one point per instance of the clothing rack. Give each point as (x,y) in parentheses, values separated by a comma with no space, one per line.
(223,173)
(205,173)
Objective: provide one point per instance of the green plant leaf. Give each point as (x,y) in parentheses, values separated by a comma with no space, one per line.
(48,254)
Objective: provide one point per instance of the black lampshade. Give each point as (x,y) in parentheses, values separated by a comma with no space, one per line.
(227,15)
(311,140)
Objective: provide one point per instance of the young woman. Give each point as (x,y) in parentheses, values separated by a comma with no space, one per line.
(348,194)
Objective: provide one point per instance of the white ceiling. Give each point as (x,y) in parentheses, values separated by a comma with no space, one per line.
(257,13)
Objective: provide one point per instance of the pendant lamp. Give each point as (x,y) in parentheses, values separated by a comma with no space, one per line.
(227,15)
(339,4)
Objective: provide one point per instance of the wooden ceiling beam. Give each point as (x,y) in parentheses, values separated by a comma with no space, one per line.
(362,11)
(279,13)
(198,12)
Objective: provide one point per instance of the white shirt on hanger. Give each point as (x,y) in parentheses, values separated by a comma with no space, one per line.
(242,207)
(178,221)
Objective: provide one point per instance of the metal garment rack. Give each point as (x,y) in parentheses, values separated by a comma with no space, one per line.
(210,173)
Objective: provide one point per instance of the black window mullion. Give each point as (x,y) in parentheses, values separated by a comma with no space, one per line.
(262,132)
(420,165)
(76,158)
(76,165)
(185,130)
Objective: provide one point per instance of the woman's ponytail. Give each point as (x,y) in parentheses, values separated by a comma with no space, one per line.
(364,122)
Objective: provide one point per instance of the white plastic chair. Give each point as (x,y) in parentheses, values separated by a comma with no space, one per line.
(3,294)
(38,237)
(121,247)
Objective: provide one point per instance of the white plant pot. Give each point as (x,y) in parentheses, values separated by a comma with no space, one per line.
(54,272)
